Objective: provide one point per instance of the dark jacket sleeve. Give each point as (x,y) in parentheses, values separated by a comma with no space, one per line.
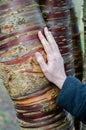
(72,97)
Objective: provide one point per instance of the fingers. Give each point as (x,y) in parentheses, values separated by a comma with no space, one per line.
(44,43)
(41,61)
(49,44)
(47,34)
(54,45)
(51,39)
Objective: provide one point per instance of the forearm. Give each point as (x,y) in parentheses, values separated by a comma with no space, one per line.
(72,97)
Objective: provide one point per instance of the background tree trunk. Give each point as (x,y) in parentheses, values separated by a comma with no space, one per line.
(84,19)
(33,96)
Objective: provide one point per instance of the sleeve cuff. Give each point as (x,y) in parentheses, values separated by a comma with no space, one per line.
(67,94)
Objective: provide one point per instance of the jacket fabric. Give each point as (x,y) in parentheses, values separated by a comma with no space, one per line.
(72,97)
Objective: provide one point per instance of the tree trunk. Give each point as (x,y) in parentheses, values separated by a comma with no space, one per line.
(32,94)
(57,17)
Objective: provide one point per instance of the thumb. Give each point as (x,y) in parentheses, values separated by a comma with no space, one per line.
(41,61)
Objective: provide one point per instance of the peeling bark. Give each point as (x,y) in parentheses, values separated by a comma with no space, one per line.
(32,94)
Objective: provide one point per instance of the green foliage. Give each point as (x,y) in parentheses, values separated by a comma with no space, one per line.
(3,117)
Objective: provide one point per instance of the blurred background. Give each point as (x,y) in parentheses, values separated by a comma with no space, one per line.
(7,112)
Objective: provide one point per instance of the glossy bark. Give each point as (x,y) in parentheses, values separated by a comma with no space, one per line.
(57,16)
(62,22)
(32,94)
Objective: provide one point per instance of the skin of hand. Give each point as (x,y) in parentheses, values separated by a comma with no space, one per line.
(54,69)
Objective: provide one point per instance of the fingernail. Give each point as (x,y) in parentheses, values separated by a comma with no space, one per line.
(46,28)
(39,32)
(37,54)
(50,32)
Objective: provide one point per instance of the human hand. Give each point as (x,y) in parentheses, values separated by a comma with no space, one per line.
(54,68)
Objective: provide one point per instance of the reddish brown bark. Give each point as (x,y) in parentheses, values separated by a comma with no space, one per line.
(32,94)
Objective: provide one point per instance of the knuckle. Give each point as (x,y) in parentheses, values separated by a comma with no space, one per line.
(45,71)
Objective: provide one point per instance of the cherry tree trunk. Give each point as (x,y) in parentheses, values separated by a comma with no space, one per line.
(57,17)
(60,21)
(32,94)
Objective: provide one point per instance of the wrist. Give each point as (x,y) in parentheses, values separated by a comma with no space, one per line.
(60,81)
